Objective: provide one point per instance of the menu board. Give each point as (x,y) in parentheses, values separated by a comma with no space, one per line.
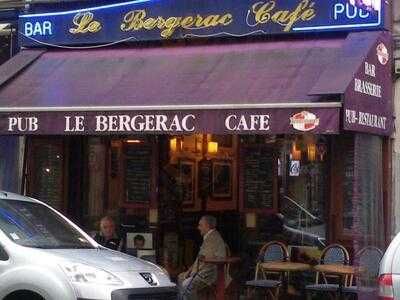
(348,183)
(48,177)
(258,177)
(137,177)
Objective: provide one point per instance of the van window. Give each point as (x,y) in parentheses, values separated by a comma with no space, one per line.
(34,225)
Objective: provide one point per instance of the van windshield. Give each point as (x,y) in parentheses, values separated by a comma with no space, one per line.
(34,225)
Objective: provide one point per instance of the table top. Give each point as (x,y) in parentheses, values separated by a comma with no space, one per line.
(337,269)
(285,266)
(222,261)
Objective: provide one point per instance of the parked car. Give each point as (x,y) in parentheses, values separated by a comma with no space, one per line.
(43,255)
(389,273)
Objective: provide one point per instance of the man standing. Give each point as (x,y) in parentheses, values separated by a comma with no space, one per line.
(107,237)
(201,275)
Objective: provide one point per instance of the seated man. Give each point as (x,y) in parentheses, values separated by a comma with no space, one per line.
(201,275)
(107,236)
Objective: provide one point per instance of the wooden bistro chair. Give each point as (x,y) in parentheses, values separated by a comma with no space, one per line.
(231,288)
(368,260)
(332,254)
(271,252)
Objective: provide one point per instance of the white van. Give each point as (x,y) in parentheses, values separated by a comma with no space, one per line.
(44,256)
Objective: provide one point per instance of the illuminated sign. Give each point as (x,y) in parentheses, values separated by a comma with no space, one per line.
(146,20)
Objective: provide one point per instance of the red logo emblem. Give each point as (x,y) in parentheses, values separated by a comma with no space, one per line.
(304,121)
(382,53)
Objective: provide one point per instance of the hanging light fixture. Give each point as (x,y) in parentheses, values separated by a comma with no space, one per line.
(296,151)
(173,144)
(212,147)
(311,152)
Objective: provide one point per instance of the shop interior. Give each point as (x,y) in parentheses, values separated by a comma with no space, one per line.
(159,186)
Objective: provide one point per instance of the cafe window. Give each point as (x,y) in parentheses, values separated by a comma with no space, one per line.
(45,171)
(303,172)
(362,209)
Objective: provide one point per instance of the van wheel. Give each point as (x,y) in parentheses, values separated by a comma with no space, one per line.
(24,295)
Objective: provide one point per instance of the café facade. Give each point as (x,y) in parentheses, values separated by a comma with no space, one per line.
(158,112)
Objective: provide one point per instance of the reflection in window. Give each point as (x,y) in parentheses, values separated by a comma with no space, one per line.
(303,183)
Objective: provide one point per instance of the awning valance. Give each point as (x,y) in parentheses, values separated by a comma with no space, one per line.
(260,87)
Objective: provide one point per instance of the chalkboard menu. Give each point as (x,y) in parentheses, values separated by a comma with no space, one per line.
(138,158)
(348,183)
(47,174)
(258,177)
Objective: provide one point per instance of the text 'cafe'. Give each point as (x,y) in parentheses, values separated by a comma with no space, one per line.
(159,112)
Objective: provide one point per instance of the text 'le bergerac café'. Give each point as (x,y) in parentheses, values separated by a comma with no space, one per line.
(261,13)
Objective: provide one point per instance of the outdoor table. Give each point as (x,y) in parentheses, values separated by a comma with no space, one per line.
(285,267)
(220,263)
(337,269)
(340,270)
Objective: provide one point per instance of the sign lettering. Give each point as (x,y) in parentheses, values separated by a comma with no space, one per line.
(182,19)
(265,12)
(137,20)
(84,23)
(170,122)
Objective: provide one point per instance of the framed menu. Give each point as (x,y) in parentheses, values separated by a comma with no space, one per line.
(258,173)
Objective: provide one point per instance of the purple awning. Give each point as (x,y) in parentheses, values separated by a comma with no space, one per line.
(207,81)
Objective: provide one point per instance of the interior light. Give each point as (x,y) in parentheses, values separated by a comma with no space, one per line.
(133,141)
(173,144)
(212,147)
(311,152)
(296,151)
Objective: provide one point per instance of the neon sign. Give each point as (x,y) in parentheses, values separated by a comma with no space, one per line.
(146,20)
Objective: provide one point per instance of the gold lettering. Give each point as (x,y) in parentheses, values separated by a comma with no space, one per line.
(226,19)
(150,23)
(84,23)
(296,14)
(265,12)
(280,17)
(137,20)
(170,24)
(211,21)
(160,22)
(199,21)
(308,15)
(262,11)
(187,22)
(133,20)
